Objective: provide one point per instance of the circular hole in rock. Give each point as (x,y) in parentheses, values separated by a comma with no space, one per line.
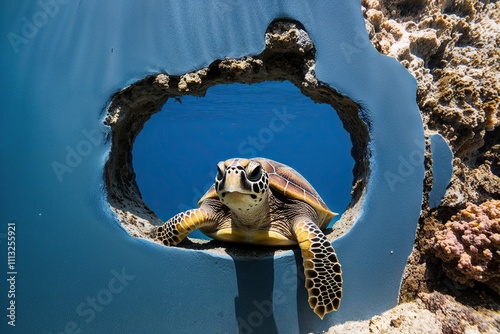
(175,155)
(288,56)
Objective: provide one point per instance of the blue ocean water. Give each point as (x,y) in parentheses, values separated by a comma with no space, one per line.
(176,153)
(62,61)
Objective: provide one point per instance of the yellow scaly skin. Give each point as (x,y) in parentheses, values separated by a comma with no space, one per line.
(322,270)
(179,226)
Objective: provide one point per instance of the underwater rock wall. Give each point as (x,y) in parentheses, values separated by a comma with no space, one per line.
(452,48)
(57,81)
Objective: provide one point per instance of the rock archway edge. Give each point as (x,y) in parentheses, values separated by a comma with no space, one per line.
(289,55)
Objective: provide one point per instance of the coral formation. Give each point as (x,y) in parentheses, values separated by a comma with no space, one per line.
(452,48)
(469,245)
(457,318)
(431,313)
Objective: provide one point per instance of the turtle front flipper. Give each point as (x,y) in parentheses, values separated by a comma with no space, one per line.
(179,226)
(323,274)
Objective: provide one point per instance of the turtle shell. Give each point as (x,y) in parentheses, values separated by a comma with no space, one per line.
(290,183)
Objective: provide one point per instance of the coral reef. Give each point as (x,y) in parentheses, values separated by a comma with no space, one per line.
(452,48)
(469,245)
(431,313)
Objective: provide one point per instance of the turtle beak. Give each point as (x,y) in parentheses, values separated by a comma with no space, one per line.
(231,178)
(232,182)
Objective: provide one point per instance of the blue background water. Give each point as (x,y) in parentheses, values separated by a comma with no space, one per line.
(442,169)
(57,80)
(175,155)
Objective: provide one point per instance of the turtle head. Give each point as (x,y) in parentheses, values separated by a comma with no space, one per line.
(242,184)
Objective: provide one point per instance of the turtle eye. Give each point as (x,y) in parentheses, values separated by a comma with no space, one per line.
(220,171)
(256,174)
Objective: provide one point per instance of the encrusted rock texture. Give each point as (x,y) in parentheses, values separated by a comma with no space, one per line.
(431,313)
(452,48)
(470,245)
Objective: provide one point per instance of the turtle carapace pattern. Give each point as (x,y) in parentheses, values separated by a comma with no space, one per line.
(261,201)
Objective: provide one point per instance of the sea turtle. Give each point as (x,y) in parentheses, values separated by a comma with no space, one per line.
(261,201)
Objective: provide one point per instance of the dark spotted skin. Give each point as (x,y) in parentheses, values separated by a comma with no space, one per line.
(211,216)
(258,186)
(322,269)
(179,226)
